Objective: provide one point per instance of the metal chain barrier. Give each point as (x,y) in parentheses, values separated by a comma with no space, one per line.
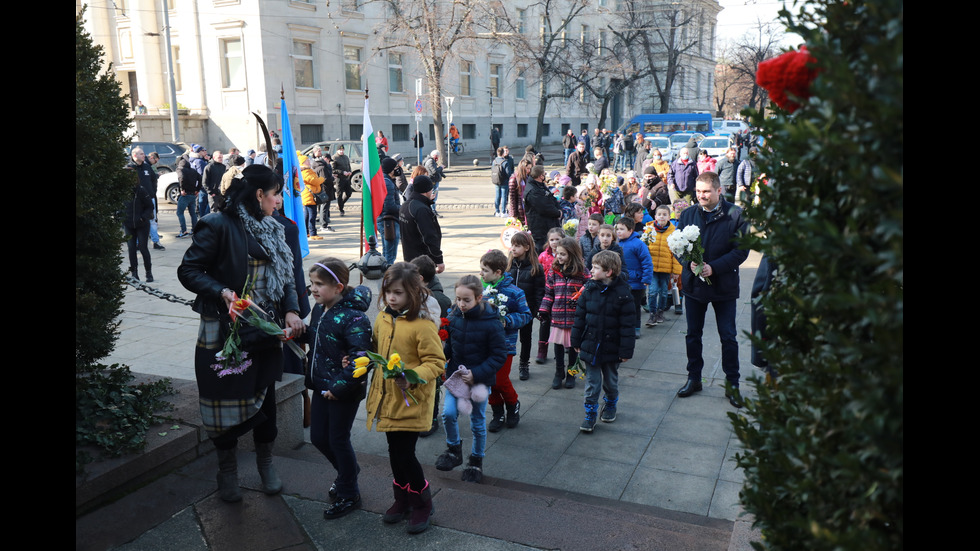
(170,297)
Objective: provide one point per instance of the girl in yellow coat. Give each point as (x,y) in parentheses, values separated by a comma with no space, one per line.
(665,266)
(398,328)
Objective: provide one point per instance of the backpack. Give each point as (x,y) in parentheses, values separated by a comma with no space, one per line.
(497,172)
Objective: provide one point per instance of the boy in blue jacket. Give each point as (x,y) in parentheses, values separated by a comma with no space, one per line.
(639,265)
(499,290)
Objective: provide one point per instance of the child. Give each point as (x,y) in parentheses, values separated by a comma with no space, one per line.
(340,328)
(546,258)
(603,335)
(614,201)
(665,266)
(528,275)
(590,237)
(499,290)
(567,204)
(639,267)
(638,214)
(590,202)
(417,342)
(566,278)
(427,269)
(605,242)
(476,340)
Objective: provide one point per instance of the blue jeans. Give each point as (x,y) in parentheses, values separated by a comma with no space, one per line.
(154,234)
(203,207)
(658,293)
(389,242)
(186,202)
(310,211)
(330,426)
(500,200)
(478,424)
(725,318)
(567,153)
(603,377)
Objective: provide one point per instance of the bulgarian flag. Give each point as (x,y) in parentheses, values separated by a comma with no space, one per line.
(373,191)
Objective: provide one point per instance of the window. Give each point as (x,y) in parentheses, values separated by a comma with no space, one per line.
(494,80)
(176,58)
(546,129)
(395,83)
(522,130)
(352,67)
(522,21)
(520,86)
(500,129)
(303,64)
(697,84)
(232,64)
(351,5)
(356,132)
(602,42)
(469,132)
(564,128)
(399,132)
(432,132)
(310,133)
(585,35)
(464,77)
(585,126)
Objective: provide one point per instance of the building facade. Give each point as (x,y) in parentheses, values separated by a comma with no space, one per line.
(231,58)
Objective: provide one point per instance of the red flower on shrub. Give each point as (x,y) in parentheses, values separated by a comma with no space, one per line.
(790,73)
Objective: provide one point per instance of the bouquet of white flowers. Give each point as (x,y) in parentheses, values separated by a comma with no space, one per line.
(498,299)
(686,245)
(649,234)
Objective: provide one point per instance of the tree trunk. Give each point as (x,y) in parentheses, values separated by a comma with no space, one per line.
(542,106)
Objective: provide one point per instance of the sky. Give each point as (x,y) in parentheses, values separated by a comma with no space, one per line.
(740,16)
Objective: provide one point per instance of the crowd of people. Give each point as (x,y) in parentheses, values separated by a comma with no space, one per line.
(591,256)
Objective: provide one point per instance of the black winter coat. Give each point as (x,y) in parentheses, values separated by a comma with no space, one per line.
(532,285)
(343,330)
(420,231)
(720,231)
(542,211)
(138,210)
(604,322)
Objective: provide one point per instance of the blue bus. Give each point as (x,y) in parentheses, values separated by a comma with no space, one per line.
(665,124)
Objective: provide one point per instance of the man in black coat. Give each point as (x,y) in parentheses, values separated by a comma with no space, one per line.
(575,168)
(321,167)
(420,231)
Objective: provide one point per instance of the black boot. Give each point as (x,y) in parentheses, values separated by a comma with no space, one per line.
(134,272)
(228,488)
(559,368)
(474,470)
(497,421)
(451,458)
(400,510)
(422,509)
(513,414)
(524,371)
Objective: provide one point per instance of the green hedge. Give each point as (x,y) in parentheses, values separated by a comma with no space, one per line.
(823,455)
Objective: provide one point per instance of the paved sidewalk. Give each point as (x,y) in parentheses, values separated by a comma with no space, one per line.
(549,485)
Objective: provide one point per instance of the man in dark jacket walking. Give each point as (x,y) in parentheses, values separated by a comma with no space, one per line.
(321,167)
(420,231)
(211,180)
(721,227)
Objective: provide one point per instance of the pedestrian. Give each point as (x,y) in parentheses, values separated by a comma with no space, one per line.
(137,213)
(418,142)
(436,174)
(602,336)
(606,242)
(399,329)
(665,266)
(388,226)
(312,184)
(419,226)
(342,173)
(339,329)
(562,283)
(546,259)
(147,178)
(189,182)
(499,289)
(541,207)
(500,178)
(476,342)
(638,267)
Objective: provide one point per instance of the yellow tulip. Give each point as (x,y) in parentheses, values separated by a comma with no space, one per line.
(393,361)
(360,371)
(362,361)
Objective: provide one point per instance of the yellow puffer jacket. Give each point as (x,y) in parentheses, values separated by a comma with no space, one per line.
(418,344)
(663,260)
(311,185)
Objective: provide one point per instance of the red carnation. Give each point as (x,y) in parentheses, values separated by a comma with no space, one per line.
(443,334)
(789,73)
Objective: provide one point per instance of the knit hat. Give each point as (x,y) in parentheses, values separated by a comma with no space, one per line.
(388,165)
(422,184)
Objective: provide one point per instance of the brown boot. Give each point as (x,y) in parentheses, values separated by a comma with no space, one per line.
(400,510)
(422,509)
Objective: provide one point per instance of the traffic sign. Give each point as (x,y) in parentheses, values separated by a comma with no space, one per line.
(449,101)
(418,87)
(450,113)
(418,106)
(418,116)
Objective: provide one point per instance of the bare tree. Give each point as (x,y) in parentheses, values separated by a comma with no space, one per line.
(437,30)
(753,47)
(666,33)
(549,52)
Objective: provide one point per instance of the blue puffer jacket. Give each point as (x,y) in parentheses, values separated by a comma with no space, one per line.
(720,231)
(518,313)
(476,340)
(343,330)
(638,264)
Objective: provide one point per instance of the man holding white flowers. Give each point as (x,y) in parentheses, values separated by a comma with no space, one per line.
(721,226)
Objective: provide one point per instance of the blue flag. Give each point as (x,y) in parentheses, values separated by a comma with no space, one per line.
(292,201)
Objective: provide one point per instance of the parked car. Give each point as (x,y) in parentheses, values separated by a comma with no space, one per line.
(167,188)
(352,149)
(168,152)
(729,127)
(715,145)
(663,144)
(680,139)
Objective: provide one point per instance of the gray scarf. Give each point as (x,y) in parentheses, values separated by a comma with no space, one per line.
(271,235)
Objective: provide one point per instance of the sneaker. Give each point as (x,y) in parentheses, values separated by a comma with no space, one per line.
(329,229)
(652,320)
(525,372)
(588,425)
(497,420)
(660,317)
(159,247)
(608,414)
(315,238)
(182,234)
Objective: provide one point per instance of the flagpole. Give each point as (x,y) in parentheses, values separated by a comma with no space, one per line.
(363,156)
